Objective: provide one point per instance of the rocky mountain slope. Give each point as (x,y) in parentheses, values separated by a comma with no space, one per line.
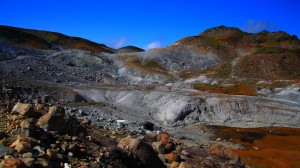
(225,53)
(221,53)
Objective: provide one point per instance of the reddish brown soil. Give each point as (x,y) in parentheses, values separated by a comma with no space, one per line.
(273,151)
(266,147)
(237,89)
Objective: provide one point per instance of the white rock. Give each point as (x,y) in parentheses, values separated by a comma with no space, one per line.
(66,165)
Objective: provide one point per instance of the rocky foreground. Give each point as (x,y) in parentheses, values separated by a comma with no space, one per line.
(45,136)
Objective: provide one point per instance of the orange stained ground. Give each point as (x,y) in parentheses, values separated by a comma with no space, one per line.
(276,147)
(274,151)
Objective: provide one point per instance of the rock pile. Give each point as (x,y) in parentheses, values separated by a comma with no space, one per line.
(39,136)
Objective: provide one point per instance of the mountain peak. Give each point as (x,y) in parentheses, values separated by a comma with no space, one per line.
(130,49)
(221,30)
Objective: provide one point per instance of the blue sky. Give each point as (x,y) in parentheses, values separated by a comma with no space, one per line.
(148,24)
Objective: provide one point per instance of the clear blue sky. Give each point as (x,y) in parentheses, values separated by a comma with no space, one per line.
(146,23)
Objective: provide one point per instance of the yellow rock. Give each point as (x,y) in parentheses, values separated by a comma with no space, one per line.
(24,109)
(175,164)
(183,165)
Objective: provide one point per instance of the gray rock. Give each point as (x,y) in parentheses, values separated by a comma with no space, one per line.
(82,113)
(144,153)
(8,156)
(121,125)
(110,120)
(42,162)
(38,150)
(206,108)
(64,148)
(141,131)
(73,147)
(185,153)
(27,155)
(46,98)
(3,151)
(70,154)
(29,162)
(36,102)
(75,138)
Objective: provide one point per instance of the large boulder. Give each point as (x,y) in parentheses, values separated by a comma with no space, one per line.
(53,120)
(24,109)
(141,151)
(56,120)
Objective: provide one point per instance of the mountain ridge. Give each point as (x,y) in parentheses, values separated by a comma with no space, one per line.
(219,53)
(49,40)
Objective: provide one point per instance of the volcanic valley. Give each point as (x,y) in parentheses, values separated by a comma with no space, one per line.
(223,98)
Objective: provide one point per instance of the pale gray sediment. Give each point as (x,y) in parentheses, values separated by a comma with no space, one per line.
(171,108)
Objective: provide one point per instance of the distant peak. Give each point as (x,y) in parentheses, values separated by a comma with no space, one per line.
(220,30)
(129,49)
(278,36)
(264,32)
